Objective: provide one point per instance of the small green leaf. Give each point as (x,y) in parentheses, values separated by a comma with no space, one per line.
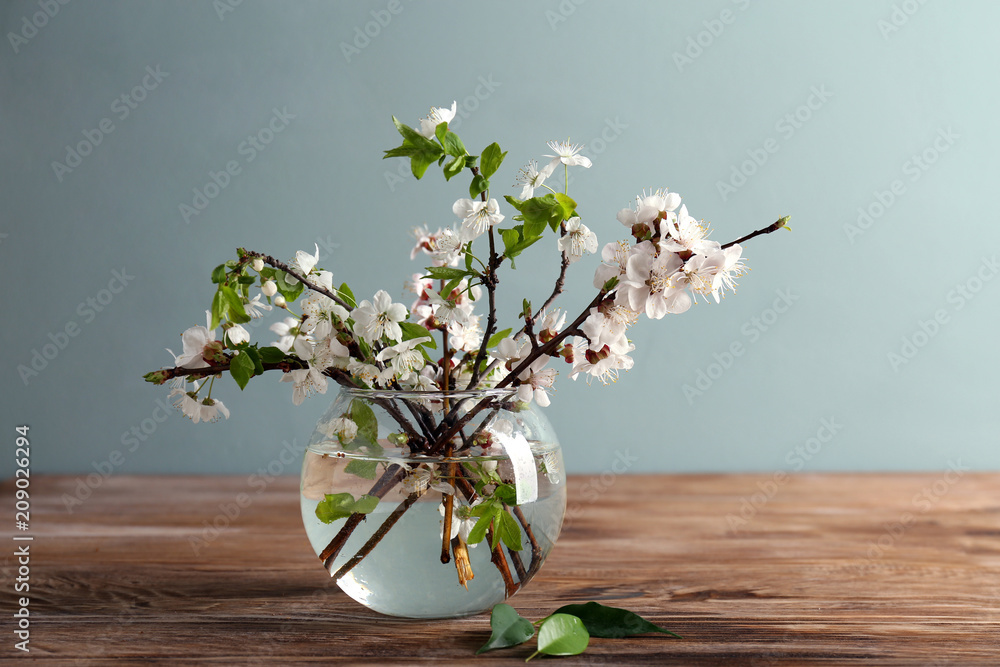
(479,185)
(454,168)
(497,337)
(347,295)
(362,468)
(290,292)
(510,531)
(364,417)
(366,504)
(451,143)
(412,330)
(234,305)
(271,355)
(254,354)
(561,634)
(478,532)
(448,272)
(219,274)
(510,252)
(241,367)
(525,308)
(567,206)
(335,506)
(491,160)
(421,150)
(611,622)
(506,493)
(509,629)
(218,308)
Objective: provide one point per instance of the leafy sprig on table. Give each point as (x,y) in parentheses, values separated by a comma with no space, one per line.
(566,631)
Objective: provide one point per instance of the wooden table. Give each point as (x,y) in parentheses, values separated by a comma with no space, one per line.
(751,570)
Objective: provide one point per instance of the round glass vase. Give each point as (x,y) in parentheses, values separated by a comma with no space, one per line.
(385,471)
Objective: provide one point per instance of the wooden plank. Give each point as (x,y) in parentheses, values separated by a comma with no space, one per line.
(896,569)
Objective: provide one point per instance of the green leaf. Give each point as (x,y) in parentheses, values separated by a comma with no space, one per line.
(510,252)
(612,622)
(219,274)
(567,207)
(561,634)
(421,150)
(510,531)
(506,493)
(511,237)
(454,168)
(290,292)
(479,185)
(218,308)
(362,468)
(242,368)
(448,272)
(409,134)
(234,305)
(347,295)
(497,337)
(509,629)
(451,142)
(271,355)
(412,330)
(364,417)
(538,212)
(335,506)
(525,308)
(478,532)
(491,160)
(366,504)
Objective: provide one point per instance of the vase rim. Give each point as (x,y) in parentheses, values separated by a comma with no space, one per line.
(489,392)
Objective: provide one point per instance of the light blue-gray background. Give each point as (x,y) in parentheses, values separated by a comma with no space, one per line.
(663,93)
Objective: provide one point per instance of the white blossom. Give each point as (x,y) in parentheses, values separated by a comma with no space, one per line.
(236,335)
(649,286)
(476,216)
(373,320)
(530,178)
(437,115)
(305,381)
(577,240)
(255,307)
(292,338)
(194,340)
(343,429)
(567,154)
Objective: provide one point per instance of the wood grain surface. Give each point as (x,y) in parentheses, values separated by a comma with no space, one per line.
(899,569)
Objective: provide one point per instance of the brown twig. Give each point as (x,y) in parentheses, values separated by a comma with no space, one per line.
(489,281)
(393,475)
(536,549)
(560,281)
(773,227)
(267,259)
(498,559)
(373,541)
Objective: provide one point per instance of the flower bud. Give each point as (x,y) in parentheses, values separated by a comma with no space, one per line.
(280,302)
(212,353)
(257,264)
(269,288)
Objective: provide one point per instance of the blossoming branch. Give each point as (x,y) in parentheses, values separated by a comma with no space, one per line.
(440,342)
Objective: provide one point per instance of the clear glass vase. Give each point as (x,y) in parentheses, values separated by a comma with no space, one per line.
(385,471)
